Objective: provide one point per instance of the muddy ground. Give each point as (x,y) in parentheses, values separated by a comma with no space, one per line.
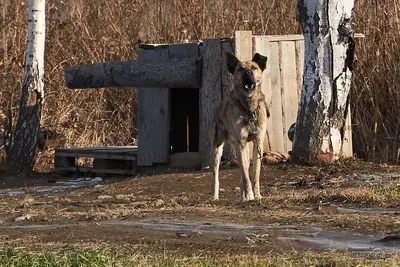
(351,206)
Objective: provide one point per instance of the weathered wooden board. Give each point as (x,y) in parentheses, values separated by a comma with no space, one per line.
(244,45)
(210,95)
(180,51)
(296,37)
(83,169)
(262,46)
(244,52)
(153,115)
(289,89)
(227,45)
(276,133)
(109,160)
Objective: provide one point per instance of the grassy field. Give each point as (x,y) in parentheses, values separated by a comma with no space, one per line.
(11,256)
(309,216)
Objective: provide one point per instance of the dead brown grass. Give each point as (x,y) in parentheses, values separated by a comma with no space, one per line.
(85,31)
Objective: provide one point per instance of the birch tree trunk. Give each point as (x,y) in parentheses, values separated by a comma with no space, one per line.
(22,154)
(328,60)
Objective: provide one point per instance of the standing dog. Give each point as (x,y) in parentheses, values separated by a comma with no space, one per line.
(240,119)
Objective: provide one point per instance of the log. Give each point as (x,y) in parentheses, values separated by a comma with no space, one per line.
(174,73)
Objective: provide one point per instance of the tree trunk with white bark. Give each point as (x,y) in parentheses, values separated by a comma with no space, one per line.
(328,60)
(21,156)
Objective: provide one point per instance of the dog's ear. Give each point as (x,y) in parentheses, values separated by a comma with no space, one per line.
(231,62)
(260,60)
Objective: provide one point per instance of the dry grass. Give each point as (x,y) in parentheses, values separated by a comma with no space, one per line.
(16,256)
(376,90)
(387,195)
(94,31)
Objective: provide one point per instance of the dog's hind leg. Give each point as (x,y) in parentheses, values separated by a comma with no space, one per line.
(218,146)
(215,165)
(244,162)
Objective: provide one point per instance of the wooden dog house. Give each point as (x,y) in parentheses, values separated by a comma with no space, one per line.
(175,119)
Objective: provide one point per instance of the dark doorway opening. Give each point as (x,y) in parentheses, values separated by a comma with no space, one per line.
(184,120)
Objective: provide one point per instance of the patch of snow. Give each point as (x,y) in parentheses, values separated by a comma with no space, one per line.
(81,181)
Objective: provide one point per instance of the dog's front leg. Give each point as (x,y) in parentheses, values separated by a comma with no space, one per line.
(256,168)
(244,163)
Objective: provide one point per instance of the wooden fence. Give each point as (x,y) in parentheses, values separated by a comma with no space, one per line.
(282,86)
(282,82)
(177,121)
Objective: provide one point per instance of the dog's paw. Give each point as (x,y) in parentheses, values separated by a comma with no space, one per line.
(249,197)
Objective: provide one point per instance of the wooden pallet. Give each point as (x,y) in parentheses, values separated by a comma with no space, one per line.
(106,160)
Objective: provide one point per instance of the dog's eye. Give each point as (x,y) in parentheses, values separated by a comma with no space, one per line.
(253,67)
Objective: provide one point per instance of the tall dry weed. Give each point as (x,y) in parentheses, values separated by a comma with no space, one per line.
(86,31)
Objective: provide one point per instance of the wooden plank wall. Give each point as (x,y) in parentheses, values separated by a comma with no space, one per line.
(227,45)
(153,114)
(210,95)
(154,106)
(282,87)
(282,83)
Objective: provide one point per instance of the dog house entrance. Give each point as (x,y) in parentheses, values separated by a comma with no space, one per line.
(184,130)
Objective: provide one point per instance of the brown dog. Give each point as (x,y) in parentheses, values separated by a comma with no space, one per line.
(240,119)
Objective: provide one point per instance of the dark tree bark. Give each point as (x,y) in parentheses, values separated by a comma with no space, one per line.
(21,156)
(329,50)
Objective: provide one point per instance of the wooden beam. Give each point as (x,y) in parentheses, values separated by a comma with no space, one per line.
(296,37)
(244,52)
(173,73)
(244,45)
(153,115)
(262,46)
(210,95)
(290,99)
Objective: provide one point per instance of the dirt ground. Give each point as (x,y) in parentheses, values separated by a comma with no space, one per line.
(350,206)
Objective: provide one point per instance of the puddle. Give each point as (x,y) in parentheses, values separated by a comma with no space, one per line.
(81,181)
(316,239)
(40,192)
(62,187)
(34,226)
(191,228)
(207,228)
(15,193)
(369,211)
(309,238)
(319,239)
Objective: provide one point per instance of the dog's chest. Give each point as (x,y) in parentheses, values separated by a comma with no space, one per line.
(249,130)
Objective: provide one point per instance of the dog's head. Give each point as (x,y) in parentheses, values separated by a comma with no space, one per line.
(247,75)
